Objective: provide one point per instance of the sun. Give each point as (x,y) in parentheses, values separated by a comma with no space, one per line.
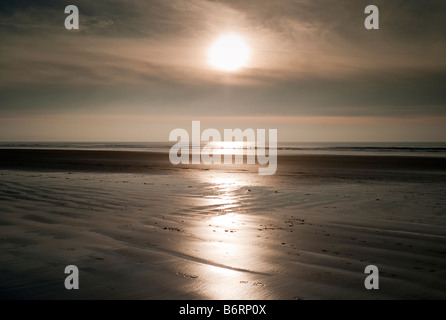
(229,52)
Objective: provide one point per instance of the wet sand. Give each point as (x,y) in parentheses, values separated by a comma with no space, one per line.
(138,227)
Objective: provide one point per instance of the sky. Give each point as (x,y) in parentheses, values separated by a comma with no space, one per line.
(135,70)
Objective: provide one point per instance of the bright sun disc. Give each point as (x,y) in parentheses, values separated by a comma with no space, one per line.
(229,53)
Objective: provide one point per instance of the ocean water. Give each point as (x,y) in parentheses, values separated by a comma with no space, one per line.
(434,149)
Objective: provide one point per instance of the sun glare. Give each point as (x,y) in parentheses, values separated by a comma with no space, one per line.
(229,53)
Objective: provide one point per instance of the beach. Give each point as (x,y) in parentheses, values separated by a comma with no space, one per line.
(138,227)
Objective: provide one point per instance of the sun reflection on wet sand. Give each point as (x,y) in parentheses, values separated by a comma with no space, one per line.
(228,240)
(226,220)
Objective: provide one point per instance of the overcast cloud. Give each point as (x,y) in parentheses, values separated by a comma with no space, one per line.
(309,58)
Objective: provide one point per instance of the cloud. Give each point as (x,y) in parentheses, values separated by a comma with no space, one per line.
(309,58)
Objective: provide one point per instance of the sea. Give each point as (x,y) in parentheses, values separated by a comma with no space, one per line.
(430,149)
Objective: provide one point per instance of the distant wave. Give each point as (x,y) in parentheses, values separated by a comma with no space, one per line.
(379,149)
(431,149)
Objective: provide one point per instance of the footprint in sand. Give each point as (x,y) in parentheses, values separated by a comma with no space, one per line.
(96,258)
(256,283)
(187,276)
